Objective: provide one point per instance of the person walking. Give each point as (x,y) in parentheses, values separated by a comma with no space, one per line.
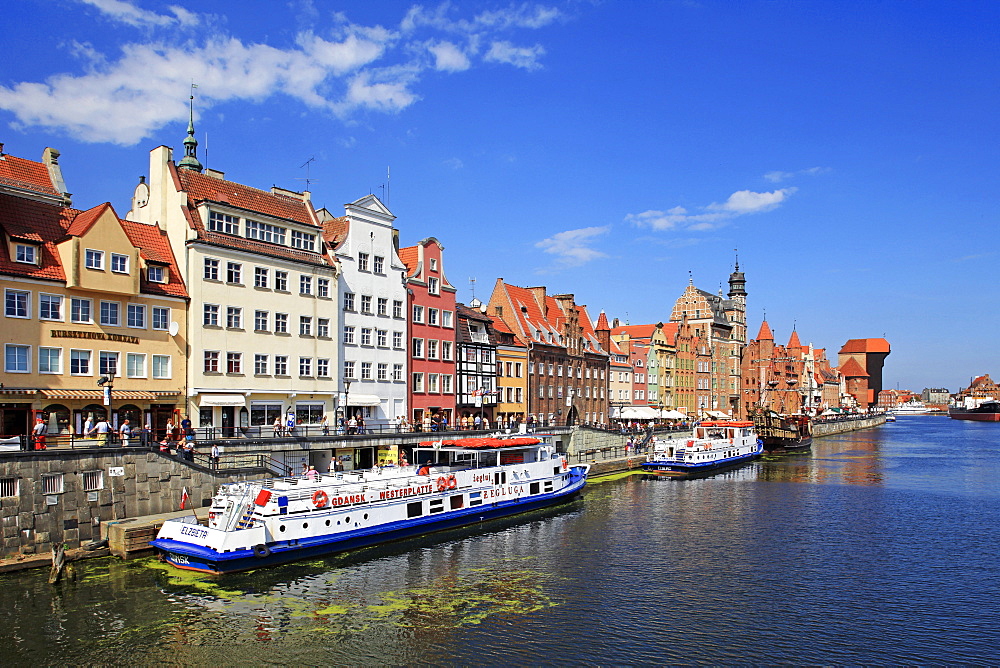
(215,455)
(38,433)
(102,429)
(277,426)
(125,433)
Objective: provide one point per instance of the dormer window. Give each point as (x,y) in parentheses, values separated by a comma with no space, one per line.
(156,274)
(303,240)
(94,259)
(220,222)
(434,264)
(119,263)
(26,253)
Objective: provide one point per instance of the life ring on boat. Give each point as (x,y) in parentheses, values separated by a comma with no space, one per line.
(320,498)
(442,484)
(565,464)
(261,551)
(452,482)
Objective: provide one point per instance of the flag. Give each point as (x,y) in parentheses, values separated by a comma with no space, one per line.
(184,497)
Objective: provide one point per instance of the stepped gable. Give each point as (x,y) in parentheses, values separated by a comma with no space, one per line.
(851,369)
(202,188)
(37,223)
(501,327)
(26,174)
(154,247)
(528,314)
(765,332)
(587,325)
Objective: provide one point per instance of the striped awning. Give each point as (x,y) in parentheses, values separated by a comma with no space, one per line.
(10,390)
(97,395)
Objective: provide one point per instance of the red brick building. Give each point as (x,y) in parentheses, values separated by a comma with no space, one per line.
(860,365)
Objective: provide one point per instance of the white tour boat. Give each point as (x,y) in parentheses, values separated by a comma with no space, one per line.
(452,483)
(714,445)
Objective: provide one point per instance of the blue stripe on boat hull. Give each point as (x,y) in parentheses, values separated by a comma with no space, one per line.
(206,560)
(697,467)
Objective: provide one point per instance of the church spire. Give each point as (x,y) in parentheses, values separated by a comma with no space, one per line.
(737,281)
(190,159)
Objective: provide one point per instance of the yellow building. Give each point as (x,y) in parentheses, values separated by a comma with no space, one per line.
(86,296)
(512,376)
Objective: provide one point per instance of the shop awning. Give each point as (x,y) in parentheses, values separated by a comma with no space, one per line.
(98,395)
(672,415)
(717,414)
(10,390)
(222,400)
(637,413)
(363,400)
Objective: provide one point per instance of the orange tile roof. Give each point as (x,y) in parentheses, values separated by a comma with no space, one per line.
(27,174)
(793,340)
(409,257)
(154,246)
(335,231)
(635,331)
(44,224)
(86,219)
(866,346)
(602,322)
(765,332)
(851,369)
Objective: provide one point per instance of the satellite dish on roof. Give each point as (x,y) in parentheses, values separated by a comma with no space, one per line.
(174,328)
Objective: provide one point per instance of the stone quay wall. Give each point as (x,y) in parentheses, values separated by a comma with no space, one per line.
(844,425)
(73,511)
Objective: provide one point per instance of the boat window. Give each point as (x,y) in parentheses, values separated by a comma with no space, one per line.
(457,501)
(415,509)
(533,488)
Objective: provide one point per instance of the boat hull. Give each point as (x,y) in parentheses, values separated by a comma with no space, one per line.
(198,558)
(676,469)
(787,445)
(973,414)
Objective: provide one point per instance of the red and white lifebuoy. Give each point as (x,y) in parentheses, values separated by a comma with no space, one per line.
(452,482)
(442,484)
(320,498)
(565,463)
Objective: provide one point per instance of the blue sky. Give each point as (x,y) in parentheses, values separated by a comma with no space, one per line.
(847,149)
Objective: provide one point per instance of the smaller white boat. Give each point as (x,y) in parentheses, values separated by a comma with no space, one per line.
(912,408)
(715,445)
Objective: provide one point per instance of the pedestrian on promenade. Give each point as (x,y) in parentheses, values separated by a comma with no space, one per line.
(101,430)
(215,456)
(88,426)
(277,426)
(125,433)
(38,433)
(326,426)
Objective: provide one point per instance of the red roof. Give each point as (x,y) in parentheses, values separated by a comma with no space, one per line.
(335,231)
(602,322)
(866,346)
(28,174)
(154,246)
(409,256)
(765,332)
(635,331)
(851,369)
(793,340)
(44,224)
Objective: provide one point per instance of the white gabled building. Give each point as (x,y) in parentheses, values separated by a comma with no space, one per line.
(373,311)
(263,316)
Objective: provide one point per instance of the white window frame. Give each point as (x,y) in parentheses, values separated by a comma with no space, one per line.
(135,365)
(88,355)
(159,374)
(117,258)
(8,368)
(44,352)
(58,299)
(93,259)
(22,298)
(26,253)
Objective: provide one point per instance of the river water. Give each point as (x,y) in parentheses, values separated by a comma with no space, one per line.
(879,547)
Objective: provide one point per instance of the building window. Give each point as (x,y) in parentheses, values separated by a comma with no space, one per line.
(8,487)
(135,365)
(383,371)
(119,263)
(111,314)
(434,264)
(348,334)
(305,366)
(17,358)
(305,285)
(260,364)
(50,307)
(348,301)
(397,340)
(397,372)
(432,349)
(303,240)
(108,363)
(79,362)
(137,316)
(418,314)
(211,272)
(272,234)
(211,361)
(366,304)
(366,336)
(433,285)
(383,306)
(322,367)
(382,338)
(418,382)
(446,383)
(260,277)
(397,308)
(210,315)
(432,316)
(446,351)
(49,360)
(323,328)
(161,318)
(26,254)
(432,382)
(348,369)
(156,274)
(305,325)
(379,266)
(234,362)
(161,366)
(446,318)
(234,273)
(281,323)
(52,483)
(281,365)
(362,261)
(221,222)
(93,481)
(79,310)
(418,347)
(366,371)
(281,281)
(16,303)
(94,259)
(234,317)
(323,288)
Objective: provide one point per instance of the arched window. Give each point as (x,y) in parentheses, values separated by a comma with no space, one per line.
(56,419)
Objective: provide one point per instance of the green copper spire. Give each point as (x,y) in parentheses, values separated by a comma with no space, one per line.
(190,159)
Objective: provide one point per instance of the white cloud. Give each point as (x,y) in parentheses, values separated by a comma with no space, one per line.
(125,93)
(448,57)
(571,247)
(525,57)
(778,176)
(714,215)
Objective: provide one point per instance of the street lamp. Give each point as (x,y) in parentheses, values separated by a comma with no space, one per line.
(107,382)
